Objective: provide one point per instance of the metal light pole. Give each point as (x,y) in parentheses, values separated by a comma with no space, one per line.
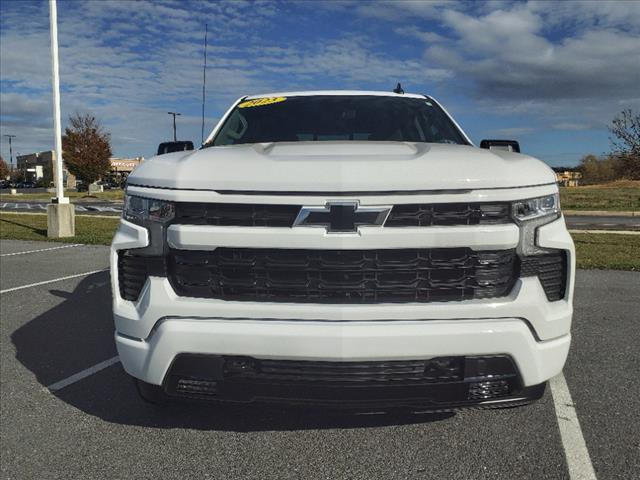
(60,213)
(10,151)
(55,75)
(174,124)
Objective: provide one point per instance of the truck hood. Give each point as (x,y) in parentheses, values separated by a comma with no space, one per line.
(342,166)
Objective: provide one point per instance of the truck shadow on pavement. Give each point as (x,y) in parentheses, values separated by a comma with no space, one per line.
(77,333)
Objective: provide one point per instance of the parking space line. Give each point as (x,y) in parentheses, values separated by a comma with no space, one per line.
(54,280)
(42,250)
(83,374)
(575,448)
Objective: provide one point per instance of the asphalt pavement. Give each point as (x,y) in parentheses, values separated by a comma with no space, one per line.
(609,222)
(97,427)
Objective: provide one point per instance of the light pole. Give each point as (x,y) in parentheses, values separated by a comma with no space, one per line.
(174,124)
(60,213)
(10,150)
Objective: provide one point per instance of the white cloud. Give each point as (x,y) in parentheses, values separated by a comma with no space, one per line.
(560,64)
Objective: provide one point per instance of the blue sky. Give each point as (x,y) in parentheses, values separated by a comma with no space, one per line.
(549,74)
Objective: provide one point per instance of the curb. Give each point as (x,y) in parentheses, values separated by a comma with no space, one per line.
(613,232)
(599,213)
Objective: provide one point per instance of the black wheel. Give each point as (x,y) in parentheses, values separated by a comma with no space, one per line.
(151,393)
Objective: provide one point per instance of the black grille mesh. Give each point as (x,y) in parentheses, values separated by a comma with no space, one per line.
(443,369)
(342,276)
(133,271)
(551,270)
(236,214)
(412,215)
(449,214)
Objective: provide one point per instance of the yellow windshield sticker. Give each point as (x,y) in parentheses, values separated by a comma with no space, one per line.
(259,102)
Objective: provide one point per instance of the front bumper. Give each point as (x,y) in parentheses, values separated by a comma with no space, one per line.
(150,359)
(160,325)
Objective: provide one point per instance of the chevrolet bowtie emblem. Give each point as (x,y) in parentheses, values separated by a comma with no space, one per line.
(340,217)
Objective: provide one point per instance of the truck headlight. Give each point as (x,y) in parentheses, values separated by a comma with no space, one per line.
(533,208)
(532,213)
(145,210)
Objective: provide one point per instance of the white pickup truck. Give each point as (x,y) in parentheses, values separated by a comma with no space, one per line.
(344,248)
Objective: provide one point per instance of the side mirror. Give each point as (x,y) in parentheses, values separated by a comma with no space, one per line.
(508,145)
(169,147)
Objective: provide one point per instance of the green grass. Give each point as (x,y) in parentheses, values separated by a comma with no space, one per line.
(89,230)
(74,196)
(608,198)
(607,250)
(594,250)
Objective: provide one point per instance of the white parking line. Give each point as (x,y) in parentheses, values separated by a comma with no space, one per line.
(575,448)
(83,374)
(52,281)
(42,250)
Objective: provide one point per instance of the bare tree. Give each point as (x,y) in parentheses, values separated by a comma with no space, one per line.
(625,129)
(625,139)
(86,148)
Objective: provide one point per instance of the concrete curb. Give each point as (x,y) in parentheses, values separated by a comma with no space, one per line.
(598,213)
(614,232)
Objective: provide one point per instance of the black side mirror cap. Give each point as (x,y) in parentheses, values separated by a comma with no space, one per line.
(169,147)
(508,145)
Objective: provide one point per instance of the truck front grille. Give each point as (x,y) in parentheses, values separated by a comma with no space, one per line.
(342,276)
(409,215)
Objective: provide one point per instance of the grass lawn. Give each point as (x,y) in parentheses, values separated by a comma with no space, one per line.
(615,196)
(607,250)
(594,250)
(74,196)
(89,230)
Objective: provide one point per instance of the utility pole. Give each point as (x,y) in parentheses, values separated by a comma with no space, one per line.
(60,213)
(10,150)
(174,124)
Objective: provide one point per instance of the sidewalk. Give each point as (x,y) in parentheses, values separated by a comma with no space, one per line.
(599,213)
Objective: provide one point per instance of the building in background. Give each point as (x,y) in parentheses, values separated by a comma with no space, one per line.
(568,177)
(122,167)
(40,167)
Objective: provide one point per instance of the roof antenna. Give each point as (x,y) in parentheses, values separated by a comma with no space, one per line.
(398,89)
(204,76)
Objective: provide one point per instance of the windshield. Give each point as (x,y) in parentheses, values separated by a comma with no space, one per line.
(335,117)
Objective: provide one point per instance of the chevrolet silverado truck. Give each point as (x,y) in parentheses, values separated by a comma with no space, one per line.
(343,248)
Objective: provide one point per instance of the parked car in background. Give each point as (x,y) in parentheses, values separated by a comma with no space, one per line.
(26,185)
